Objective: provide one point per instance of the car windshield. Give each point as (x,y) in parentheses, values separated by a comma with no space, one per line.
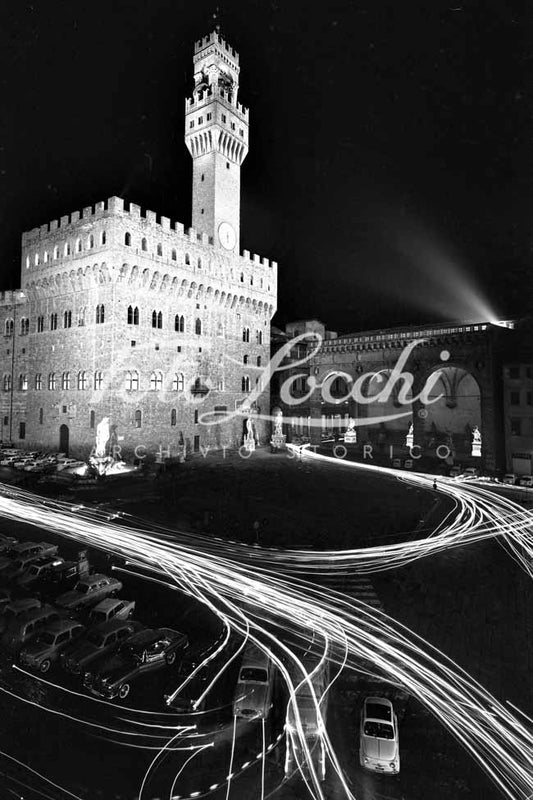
(47,637)
(82,588)
(254,674)
(379,730)
(33,570)
(96,638)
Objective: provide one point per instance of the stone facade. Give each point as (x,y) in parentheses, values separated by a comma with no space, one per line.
(131,316)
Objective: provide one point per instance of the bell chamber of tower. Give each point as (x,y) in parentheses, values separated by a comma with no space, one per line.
(216,135)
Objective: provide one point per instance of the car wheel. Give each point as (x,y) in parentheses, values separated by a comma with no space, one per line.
(124,691)
(45,665)
(171,657)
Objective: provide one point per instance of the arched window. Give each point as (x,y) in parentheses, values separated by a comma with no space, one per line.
(245,359)
(159,249)
(36,259)
(100,313)
(259,337)
(187,258)
(156,380)
(242,277)
(174,255)
(53,322)
(7,382)
(132,381)
(198,326)
(220,329)
(27,262)
(246,334)
(138,418)
(65,380)
(78,245)
(92,420)
(45,257)
(90,243)
(154,319)
(159,319)
(23,383)
(24,326)
(127,239)
(258,361)
(9,327)
(245,384)
(173,417)
(135,316)
(81,317)
(98,379)
(130,315)
(144,244)
(178,384)
(82,380)
(103,237)
(179,323)
(56,252)
(39,381)
(40,324)
(67,319)
(199,263)
(52,381)
(41,416)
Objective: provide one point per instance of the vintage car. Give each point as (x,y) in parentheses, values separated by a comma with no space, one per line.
(24,627)
(25,550)
(14,608)
(7,542)
(111,608)
(47,646)
(61,577)
(102,640)
(37,569)
(89,591)
(378,738)
(146,651)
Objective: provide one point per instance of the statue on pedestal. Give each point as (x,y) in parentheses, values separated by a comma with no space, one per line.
(409,439)
(277,442)
(350,437)
(99,460)
(249,439)
(476,442)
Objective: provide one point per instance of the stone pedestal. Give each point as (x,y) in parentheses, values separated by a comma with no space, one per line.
(249,442)
(278,441)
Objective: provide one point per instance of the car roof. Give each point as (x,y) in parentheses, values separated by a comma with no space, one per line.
(112,625)
(22,546)
(383,712)
(60,625)
(107,603)
(150,635)
(36,613)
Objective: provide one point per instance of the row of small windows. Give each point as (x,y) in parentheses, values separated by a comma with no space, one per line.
(64,381)
(246,360)
(246,336)
(67,249)
(224,119)
(159,250)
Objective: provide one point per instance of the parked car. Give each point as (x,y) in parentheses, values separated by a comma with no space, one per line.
(455,472)
(67,463)
(37,569)
(21,629)
(255,684)
(111,608)
(471,472)
(102,640)
(379,741)
(46,648)
(24,550)
(526,480)
(7,542)
(145,651)
(61,578)
(88,591)
(509,478)
(14,608)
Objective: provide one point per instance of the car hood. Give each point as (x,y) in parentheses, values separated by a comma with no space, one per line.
(382,749)
(69,599)
(253,698)
(116,669)
(37,650)
(84,651)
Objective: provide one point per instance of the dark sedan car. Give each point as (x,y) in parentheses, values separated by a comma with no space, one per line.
(102,640)
(145,651)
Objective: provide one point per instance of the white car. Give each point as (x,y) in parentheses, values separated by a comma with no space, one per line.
(379,749)
(526,480)
(68,463)
(509,479)
(470,472)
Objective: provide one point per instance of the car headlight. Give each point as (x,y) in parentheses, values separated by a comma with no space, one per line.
(392,765)
(366,760)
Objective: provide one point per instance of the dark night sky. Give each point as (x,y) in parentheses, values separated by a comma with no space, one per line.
(390,169)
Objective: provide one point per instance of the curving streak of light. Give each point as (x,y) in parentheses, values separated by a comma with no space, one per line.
(259,602)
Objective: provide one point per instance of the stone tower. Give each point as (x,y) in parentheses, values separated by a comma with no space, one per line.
(216,134)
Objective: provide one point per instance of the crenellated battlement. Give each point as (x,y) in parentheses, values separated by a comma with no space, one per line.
(155,228)
(209,95)
(214,39)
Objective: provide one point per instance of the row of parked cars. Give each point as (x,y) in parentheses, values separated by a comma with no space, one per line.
(36,461)
(57,612)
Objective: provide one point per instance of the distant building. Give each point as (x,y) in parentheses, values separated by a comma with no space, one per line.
(123,313)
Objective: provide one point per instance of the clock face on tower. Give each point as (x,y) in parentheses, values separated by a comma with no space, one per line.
(227,235)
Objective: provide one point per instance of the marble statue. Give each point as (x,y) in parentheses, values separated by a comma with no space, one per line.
(350,437)
(102,437)
(409,439)
(476,442)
